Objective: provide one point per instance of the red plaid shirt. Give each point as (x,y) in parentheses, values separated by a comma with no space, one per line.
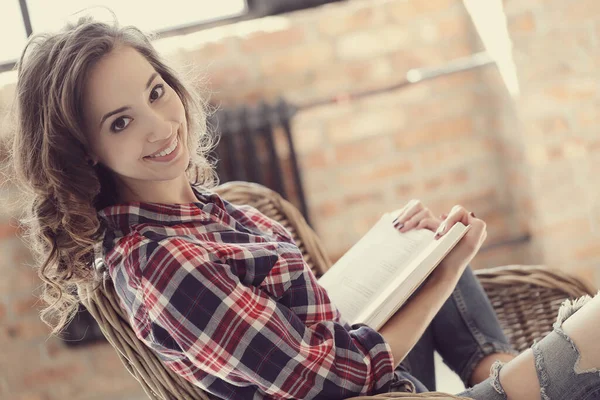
(223,296)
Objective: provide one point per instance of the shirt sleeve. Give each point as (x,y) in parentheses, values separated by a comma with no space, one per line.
(241,335)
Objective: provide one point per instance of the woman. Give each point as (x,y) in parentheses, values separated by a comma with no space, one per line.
(112,147)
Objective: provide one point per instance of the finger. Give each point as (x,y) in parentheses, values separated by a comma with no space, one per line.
(476,235)
(414,220)
(457,214)
(413,207)
(429,223)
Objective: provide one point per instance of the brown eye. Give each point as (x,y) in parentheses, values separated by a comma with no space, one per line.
(118,125)
(162,90)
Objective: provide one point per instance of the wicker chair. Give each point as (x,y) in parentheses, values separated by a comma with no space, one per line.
(526,299)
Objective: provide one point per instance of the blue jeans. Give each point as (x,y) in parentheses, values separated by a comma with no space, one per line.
(466,329)
(556,362)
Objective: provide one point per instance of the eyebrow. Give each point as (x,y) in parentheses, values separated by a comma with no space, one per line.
(121,109)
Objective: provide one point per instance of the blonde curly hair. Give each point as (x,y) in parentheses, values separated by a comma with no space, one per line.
(62,193)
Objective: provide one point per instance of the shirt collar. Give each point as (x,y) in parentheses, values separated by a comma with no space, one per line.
(123,215)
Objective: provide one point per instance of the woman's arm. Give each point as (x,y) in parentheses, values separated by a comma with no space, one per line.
(236,338)
(406,327)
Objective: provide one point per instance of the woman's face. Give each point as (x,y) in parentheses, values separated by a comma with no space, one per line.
(131,113)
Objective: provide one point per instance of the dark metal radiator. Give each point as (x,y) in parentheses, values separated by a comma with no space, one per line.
(256,145)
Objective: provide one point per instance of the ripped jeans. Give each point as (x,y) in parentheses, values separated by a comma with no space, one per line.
(556,357)
(465,330)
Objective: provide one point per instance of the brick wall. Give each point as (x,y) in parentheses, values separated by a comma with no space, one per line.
(557,53)
(435,141)
(457,139)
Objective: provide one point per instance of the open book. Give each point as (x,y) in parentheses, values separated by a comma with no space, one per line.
(372,280)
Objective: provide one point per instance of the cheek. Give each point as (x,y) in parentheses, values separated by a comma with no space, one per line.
(121,151)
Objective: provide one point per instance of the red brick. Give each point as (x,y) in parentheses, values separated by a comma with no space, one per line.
(30,305)
(266,41)
(297,59)
(446,181)
(327,208)
(222,75)
(454,153)
(354,20)
(436,132)
(315,182)
(586,117)
(50,375)
(25,329)
(352,76)
(20,281)
(408,190)
(316,159)
(364,150)
(54,348)
(479,202)
(432,107)
(367,123)
(455,28)
(391,170)
(435,5)
(416,57)
(307,137)
(457,83)
(363,197)
(209,51)
(518,6)
(382,173)
(32,396)
(568,92)
(575,13)
(410,10)
(521,23)
(587,252)
(8,230)
(574,227)
(551,125)
(586,273)
(373,43)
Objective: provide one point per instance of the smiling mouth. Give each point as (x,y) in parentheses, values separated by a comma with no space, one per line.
(169,149)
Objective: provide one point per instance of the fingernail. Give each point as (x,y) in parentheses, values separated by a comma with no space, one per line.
(440,229)
(394,221)
(398,226)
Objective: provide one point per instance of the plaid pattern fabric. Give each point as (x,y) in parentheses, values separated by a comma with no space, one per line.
(223,296)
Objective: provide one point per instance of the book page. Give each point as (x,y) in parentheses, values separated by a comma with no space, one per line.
(377,258)
(393,295)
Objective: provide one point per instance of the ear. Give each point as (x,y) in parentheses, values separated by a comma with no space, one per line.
(91,160)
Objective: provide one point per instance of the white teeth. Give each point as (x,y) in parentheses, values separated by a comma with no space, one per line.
(167,151)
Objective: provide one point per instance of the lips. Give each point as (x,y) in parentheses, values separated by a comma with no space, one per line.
(164,148)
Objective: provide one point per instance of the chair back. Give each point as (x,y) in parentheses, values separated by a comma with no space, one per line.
(525,298)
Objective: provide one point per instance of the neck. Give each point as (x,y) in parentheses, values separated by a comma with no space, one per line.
(176,191)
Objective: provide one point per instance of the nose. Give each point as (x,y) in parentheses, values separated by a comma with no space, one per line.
(159,127)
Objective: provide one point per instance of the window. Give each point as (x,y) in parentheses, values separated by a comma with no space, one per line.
(12,31)
(145,15)
(490,21)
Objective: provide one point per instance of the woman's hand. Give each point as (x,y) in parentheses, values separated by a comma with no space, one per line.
(416,216)
(454,264)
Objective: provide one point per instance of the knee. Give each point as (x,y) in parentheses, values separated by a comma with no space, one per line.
(568,308)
